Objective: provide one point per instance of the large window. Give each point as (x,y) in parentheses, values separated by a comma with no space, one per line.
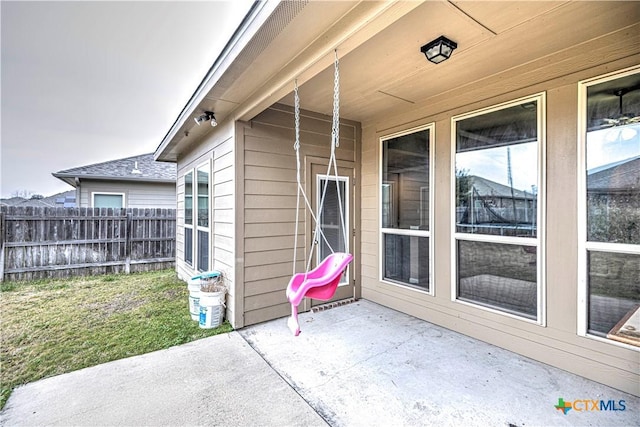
(405,199)
(610,207)
(188,218)
(498,159)
(202,226)
(108,200)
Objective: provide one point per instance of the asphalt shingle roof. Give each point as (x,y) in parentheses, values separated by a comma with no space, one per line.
(123,169)
(486,187)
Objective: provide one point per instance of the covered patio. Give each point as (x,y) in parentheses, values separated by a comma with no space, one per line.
(358,364)
(363,364)
(529,86)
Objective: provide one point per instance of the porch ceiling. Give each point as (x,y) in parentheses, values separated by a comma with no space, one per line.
(501,45)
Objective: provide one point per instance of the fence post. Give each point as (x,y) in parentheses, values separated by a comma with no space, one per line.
(127,244)
(2,239)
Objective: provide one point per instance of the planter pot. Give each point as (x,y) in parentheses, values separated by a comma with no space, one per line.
(207,279)
(194,299)
(212,308)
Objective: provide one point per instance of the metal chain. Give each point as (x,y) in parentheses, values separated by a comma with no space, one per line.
(336,137)
(296,100)
(335,130)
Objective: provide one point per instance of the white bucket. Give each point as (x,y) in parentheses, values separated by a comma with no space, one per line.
(211,309)
(194,299)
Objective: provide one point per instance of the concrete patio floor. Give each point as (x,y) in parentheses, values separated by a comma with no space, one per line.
(359,364)
(363,364)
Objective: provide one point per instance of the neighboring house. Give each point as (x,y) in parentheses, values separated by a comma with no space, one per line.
(132,182)
(619,178)
(66,199)
(532,93)
(12,201)
(485,205)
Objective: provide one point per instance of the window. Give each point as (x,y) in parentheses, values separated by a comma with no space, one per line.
(405,211)
(609,206)
(108,200)
(498,159)
(188,218)
(202,226)
(333,219)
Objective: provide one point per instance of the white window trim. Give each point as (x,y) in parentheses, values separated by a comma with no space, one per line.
(203,166)
(193,215)
(583,245)
(431,127)
(108,193)
(330,179)
(538,241)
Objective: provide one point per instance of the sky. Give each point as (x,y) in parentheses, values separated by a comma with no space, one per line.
(85,82)
(492,164)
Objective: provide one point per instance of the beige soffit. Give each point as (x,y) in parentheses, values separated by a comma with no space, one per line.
(274,46)
(501,46)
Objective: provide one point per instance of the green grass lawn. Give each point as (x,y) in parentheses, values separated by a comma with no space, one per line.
(50,327)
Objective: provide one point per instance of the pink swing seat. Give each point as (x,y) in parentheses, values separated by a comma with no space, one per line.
(319,283)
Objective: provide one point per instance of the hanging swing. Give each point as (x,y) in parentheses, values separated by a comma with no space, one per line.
(321,282)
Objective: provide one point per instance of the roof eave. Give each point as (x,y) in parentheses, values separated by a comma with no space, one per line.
(67,179)
(252,22)
(71,178)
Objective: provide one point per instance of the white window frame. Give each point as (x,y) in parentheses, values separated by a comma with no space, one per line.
(331,179)
(431,127)
(108,193)
(538,241)
(207,167)
(585,246)
(193,215)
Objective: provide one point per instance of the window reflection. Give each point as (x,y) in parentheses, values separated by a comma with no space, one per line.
(188,198)
(498,276)
(203,198)
(202,236)
(188,217)
(406,260)
(405,203)
(333,218)
(405,182)
(497,172)
(613,185)
(614,288)
(496,167)
(613,206)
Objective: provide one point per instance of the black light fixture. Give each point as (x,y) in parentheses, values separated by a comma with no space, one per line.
(207,115)
(439,49)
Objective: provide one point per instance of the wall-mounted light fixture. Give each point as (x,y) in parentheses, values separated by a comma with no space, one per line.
(439,49)
(207,115)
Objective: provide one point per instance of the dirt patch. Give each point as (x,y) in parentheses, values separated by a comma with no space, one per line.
(119,304)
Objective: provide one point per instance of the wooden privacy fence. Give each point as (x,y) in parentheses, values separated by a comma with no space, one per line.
(38,242)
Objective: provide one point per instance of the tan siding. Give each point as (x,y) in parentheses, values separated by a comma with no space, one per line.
(271,229)
(253,259)
(137,194)
(266,285)
(273,188)
(260,215)
(557,343)
(269,312)
(267,173)
(217,148)
(270,202)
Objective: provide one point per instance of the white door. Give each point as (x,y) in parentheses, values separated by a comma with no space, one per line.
(335,221)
